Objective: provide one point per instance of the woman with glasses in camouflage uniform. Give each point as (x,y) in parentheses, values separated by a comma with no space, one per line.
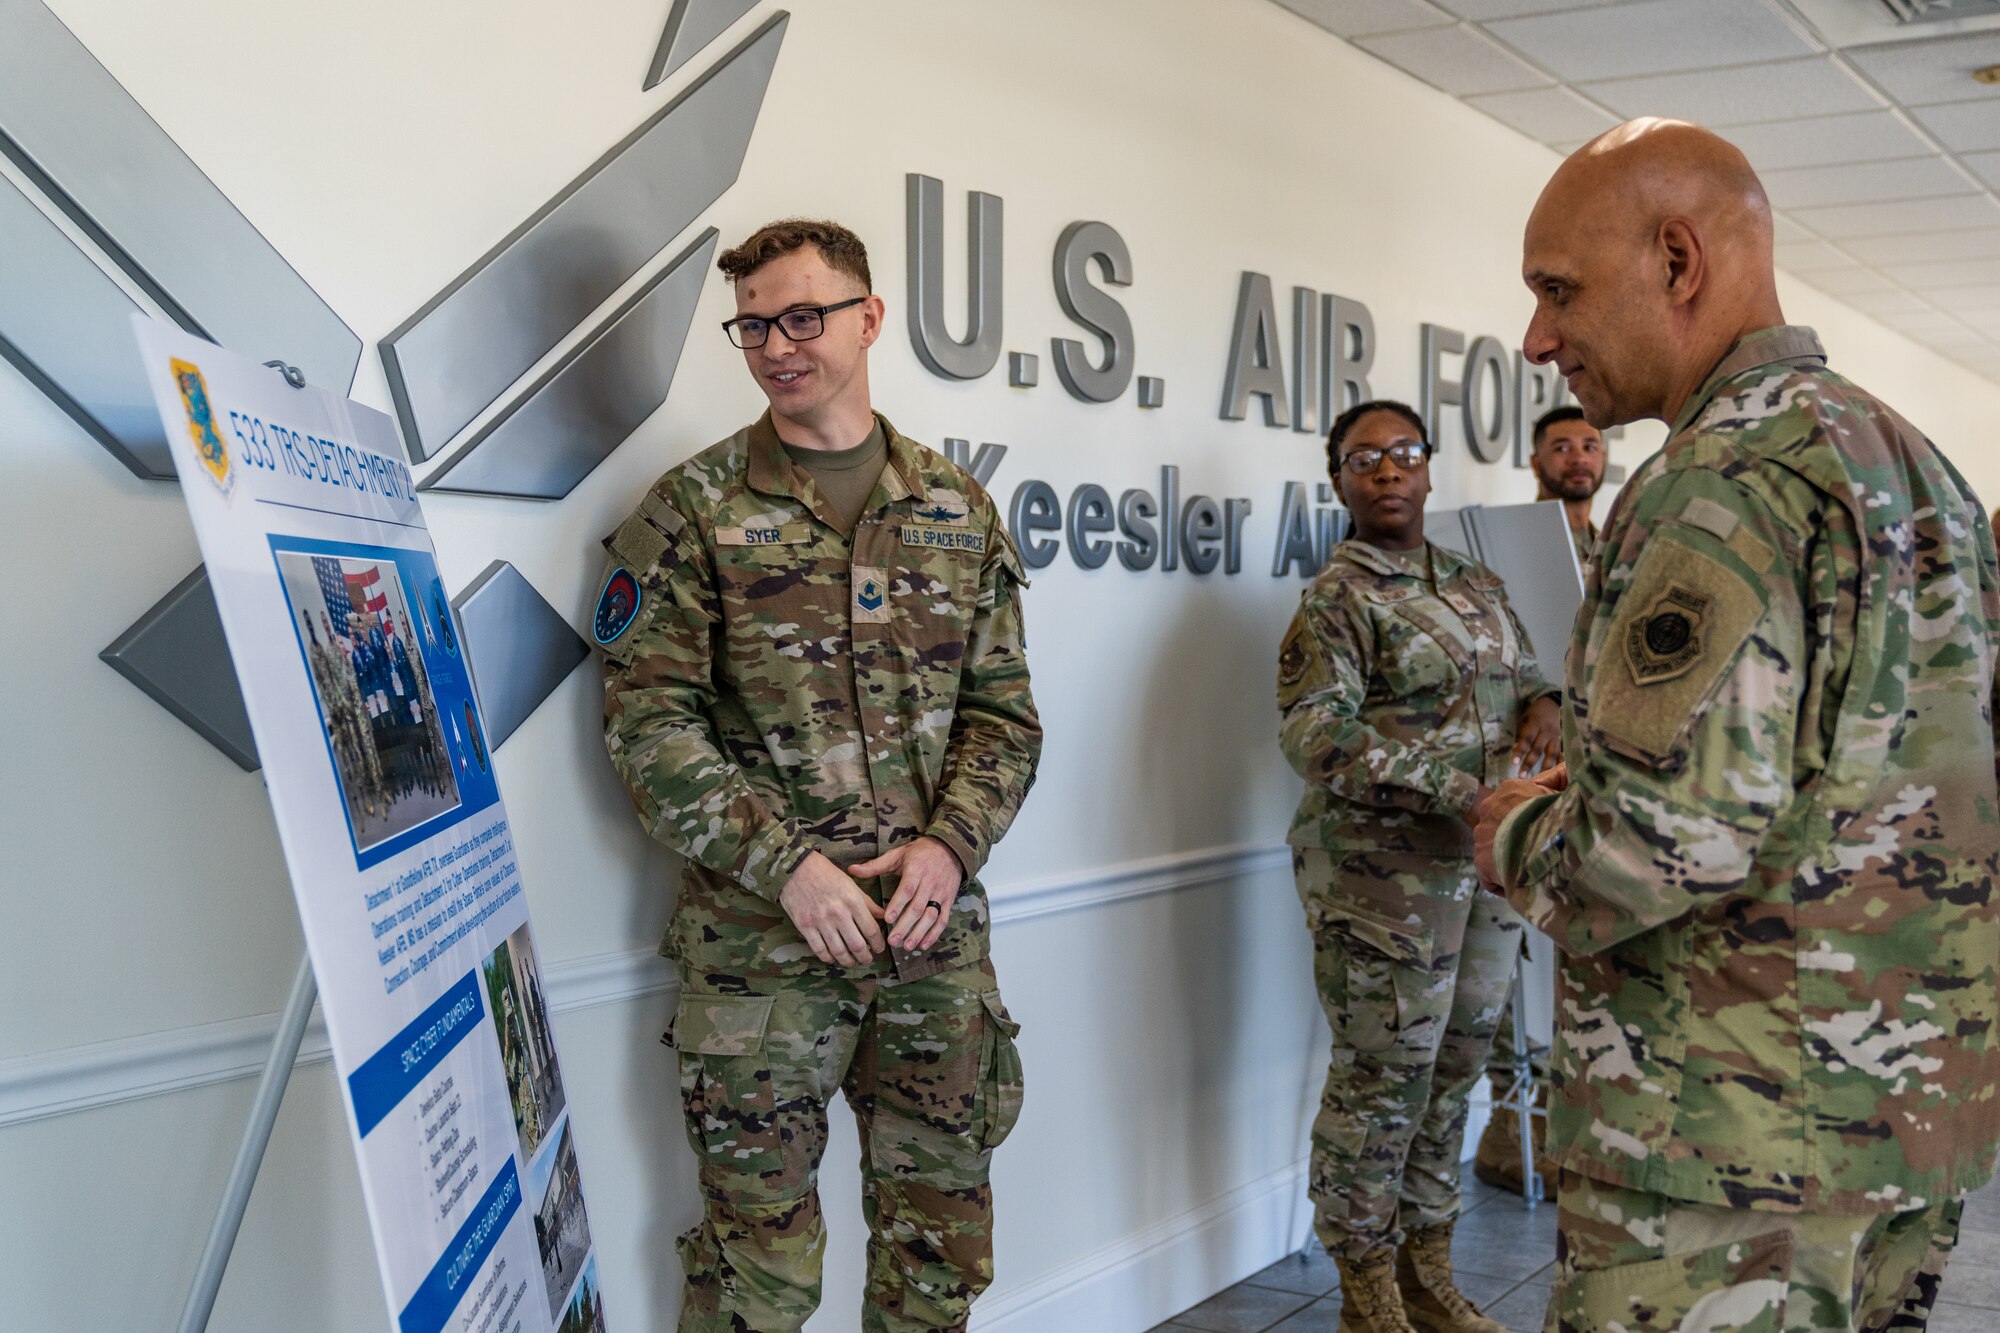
(1407,690)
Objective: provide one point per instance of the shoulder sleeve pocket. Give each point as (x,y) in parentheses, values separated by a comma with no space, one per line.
(1300,667)
(641,554)
(1680,626)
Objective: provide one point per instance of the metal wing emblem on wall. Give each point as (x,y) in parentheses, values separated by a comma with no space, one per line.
(156,222)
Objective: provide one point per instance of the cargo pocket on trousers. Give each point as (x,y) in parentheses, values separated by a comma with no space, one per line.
(1382,960)
(1738,1286)
(997,1103)
(725,1078)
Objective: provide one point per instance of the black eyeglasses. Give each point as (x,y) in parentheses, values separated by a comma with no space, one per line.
(801,324)
(1363,461)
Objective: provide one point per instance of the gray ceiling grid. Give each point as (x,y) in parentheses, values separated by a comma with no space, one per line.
(1879,146)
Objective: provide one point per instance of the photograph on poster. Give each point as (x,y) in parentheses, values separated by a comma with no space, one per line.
(586,1309)
(381,720)
(527,1051)
(561,1229)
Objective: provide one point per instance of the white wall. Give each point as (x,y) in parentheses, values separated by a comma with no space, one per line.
(1153,952)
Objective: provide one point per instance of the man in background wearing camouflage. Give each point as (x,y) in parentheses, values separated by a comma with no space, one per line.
(1568,462)
(815,691)
(1771,867)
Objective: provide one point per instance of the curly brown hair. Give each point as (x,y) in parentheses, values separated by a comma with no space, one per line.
(841,248)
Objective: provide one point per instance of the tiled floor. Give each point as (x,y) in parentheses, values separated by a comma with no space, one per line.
(1505,1258)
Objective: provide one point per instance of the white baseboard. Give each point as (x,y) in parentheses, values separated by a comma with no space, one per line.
(1155,1274)
(106,1073)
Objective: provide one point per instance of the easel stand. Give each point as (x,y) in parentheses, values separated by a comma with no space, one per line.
(1521,1094)
(250,1153)
(263,1110)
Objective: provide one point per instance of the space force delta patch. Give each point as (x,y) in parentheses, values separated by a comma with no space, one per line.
(617,606)
(933,538)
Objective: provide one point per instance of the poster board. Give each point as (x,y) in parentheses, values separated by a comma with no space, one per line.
(396,839)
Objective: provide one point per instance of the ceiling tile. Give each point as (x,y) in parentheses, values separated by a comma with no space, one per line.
(1973,299)
(1848,281)
(1945,277)
(1900,216)
(1927,247)
(1882,304)
(1723,97)
(1552,115)
(1866,136)
(1652,37)
(1929,324)
(1482,10)
(1461,60)
(1909,178)
(1926,73)
(1788,230)
(1963,127)
(1963,344)
(1985,165)
(1810,256)
(1362,18)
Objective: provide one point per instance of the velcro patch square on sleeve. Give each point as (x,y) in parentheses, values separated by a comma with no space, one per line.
(1681,625)
(638,543)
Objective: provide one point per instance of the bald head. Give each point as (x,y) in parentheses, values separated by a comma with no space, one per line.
(1649,253)
(1647,171)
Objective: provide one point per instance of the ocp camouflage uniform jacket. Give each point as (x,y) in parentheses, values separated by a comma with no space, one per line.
(1772,871)
(1400,698)
(783,689)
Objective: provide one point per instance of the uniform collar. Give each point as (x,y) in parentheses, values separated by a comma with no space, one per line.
(1754,351)
(1445,564)
(772,472)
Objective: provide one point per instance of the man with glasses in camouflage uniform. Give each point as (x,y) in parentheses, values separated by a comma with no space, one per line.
(815,691)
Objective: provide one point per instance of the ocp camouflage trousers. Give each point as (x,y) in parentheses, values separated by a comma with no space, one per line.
(931,1071)
(1631,1260)
(1412,962)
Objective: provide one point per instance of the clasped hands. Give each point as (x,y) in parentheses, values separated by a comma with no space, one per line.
(839,921)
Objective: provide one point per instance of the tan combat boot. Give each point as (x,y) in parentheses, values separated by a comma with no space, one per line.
(1369,1301)
(1430,1296)
(1498,1161)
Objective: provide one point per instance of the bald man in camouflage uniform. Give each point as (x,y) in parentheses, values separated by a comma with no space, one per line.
(815,691)
(1771,869)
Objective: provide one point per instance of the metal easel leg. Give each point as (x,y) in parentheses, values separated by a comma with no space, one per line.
(1524,1089)
(250,1154)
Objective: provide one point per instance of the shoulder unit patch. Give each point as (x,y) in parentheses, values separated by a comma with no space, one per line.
(617,606)
(1668,638)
